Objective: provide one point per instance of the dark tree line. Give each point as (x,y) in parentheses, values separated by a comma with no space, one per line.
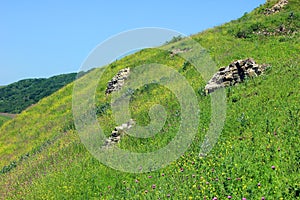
(16,97)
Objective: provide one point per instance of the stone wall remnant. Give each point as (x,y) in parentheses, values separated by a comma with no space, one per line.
(117,81)
(117,133)
(234,73)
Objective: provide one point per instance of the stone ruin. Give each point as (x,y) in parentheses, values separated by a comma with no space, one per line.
(234,73)
(276,8)
(117,82)
(117,133)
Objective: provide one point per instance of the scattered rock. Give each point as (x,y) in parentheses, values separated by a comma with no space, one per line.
(174,52)
(117,81)
(117,133)
(276,8)
(233,74)
(281,30)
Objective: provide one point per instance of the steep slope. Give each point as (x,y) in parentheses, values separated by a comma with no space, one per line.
(256,156)
(3,119)
(16,97)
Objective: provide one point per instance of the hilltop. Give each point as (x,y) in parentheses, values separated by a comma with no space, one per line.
(257,154)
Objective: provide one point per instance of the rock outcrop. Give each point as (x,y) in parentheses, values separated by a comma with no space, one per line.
(117,133)
(234,73)
(276,8)
(117,81)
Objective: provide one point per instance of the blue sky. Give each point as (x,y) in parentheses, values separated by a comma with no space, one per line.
(46,38)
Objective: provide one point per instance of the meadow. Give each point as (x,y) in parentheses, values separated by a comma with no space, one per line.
(3,119)
(256,156)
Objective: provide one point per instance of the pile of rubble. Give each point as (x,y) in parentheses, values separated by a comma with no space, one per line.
(117,133)
(117,81)
(276,8)
(234,73)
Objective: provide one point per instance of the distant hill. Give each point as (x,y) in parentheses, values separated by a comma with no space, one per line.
(16,97)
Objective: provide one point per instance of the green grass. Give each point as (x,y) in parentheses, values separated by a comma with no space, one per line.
(3,119)
(44,158)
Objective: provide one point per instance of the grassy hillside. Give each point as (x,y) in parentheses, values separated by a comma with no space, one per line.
(256,156)
(16,97)
(3,119)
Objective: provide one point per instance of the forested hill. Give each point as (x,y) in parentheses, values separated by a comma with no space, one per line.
(16,97)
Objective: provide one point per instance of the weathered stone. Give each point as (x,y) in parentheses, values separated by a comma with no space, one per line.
(119,128)
(234,73)
(124,126)
(255,67)
(174,52)
(221,73)
(276,8)
(117,82)
(221,69)
(235,76)
(227,83)
(115,139)
(252,73)
(232,65)
(228,77)
(117,133)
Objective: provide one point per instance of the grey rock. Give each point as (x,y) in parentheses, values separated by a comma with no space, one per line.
(117,133)
(234,73)
(227,83)
(119,128)
(276,8)
(174,52)
(117,82)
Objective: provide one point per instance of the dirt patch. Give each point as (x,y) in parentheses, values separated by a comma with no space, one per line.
(8,115)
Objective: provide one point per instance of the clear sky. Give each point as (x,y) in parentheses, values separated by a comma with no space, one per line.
(46,38)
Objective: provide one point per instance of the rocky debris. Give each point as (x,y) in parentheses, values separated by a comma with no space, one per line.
(117,133)
(281,30)
(117,81)
(233,74)
(276,8)
(174,52)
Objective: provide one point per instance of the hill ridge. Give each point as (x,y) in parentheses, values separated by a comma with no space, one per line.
(16,97)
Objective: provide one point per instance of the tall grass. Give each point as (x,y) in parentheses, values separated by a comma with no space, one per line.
(257,154)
